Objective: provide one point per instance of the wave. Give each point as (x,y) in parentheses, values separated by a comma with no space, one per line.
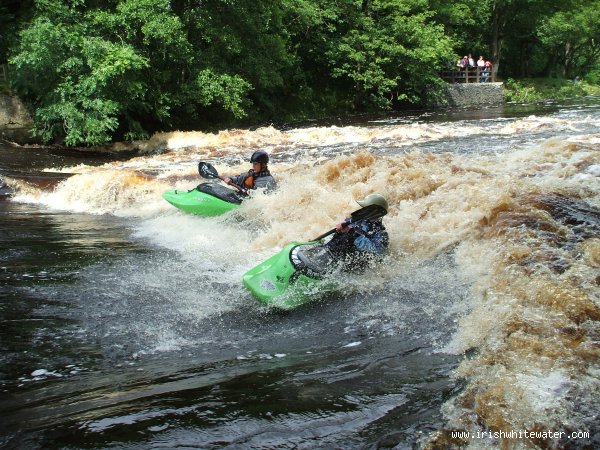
(522,225)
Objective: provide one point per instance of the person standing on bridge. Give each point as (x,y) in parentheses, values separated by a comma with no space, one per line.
(480,67)
(487,71)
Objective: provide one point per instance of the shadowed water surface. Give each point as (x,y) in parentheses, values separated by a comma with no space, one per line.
(125,323)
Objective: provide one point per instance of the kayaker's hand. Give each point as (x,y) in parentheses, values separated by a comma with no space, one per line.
(226,180)
(343,227)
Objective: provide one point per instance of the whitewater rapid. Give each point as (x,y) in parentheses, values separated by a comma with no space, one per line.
(513,202)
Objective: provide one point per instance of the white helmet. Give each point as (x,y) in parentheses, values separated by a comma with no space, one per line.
(374,199)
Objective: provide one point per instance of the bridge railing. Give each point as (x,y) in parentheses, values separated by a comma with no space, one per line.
(469,75)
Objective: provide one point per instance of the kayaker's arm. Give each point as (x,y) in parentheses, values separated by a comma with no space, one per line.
(206,170)
(232,181)
(372,237)
(376,244)
(368,239)
(347,225)
(366,212)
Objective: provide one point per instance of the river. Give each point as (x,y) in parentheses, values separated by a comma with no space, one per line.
(125,323)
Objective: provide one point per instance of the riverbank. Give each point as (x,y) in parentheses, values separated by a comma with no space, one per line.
(16,123)
(531,90)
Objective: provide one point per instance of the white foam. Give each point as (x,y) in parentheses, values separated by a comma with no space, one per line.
(594,169)
(544,392)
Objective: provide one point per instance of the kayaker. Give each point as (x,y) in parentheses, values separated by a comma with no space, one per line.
(363,241)
(257,177)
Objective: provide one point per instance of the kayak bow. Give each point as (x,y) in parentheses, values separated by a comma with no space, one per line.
(292,277)
(207,199)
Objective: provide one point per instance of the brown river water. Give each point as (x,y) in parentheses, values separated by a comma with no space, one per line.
(125,323)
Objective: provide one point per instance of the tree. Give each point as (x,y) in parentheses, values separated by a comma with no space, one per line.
(502,20)
(573,36)
(537,35)
(13,13)
(100,70)
(117,69)
(465,23)
(247,42)
(386,50)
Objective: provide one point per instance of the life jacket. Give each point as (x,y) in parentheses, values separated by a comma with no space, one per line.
(249,180)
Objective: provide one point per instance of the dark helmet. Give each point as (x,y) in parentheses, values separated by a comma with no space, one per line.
(260,156)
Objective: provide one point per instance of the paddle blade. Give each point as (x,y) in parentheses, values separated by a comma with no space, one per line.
(371,212)
(206,170)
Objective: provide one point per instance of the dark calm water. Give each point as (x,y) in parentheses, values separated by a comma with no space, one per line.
(125,324)
(103,318)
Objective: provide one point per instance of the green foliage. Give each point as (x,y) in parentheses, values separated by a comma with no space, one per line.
(572,35)
(12,14)
(246,43)
(593,76)
(392,52)
(99,70)
(544,37)
(128,68)
(462,21)
(535,90)
(517,92)
(81,82)
(225,90)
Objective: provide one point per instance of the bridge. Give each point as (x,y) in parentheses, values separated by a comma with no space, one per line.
(469,75)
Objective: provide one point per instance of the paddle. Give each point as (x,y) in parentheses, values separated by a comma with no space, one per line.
(370,212)
(206,170)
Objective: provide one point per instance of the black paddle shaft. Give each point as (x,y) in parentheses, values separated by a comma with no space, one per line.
(370,212)
(206,170)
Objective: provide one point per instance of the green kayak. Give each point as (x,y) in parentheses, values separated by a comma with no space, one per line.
(301,271)
(207,199)
(292,277)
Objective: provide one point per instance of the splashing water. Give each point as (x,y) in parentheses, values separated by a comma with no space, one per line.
(505,211)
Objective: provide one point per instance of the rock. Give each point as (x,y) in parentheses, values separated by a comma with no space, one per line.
(15,121)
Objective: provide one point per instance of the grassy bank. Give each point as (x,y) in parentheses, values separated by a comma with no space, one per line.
(539,89)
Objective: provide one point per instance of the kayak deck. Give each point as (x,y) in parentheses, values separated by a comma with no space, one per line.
(207,200)
(278,283)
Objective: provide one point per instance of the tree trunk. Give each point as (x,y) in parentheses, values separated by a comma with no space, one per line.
(496,37)
(525,48)
(567,59)
(365,7)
